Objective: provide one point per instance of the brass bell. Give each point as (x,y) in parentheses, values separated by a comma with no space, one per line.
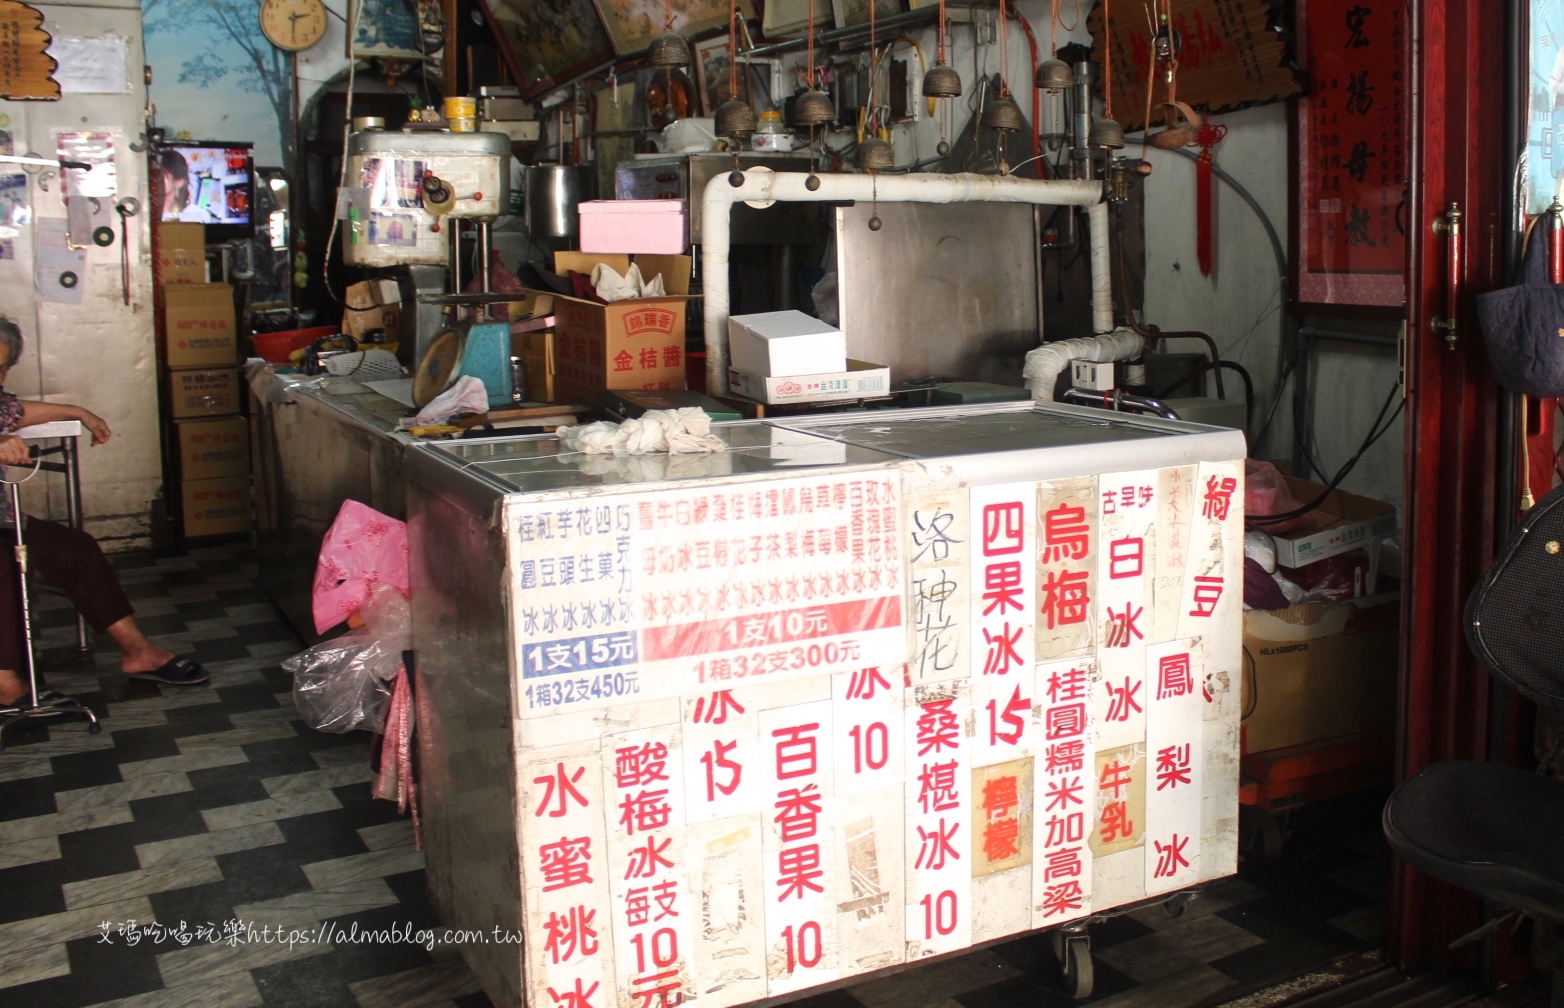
(813,108)
(942,81)
(1107,134)
(734,119)
(1003,115)
(874,155)
(1054,75)
(668,51)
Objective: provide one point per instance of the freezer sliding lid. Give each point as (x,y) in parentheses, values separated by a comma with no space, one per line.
(539,463)
(971,430)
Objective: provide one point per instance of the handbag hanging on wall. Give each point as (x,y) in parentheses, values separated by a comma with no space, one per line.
(1524,325)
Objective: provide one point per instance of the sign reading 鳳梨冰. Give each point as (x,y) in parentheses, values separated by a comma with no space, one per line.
(779,733)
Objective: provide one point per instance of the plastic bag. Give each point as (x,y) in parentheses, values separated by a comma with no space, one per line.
(345,683)
(1267,493)
(1332,579)
(362,548)
(468,395)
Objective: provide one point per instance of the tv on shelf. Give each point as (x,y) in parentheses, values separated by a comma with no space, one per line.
(209,182)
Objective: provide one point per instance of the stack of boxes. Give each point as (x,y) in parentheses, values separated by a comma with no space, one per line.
(207,440)
(789,357)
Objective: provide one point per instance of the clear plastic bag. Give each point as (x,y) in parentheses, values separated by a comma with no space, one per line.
(345,683)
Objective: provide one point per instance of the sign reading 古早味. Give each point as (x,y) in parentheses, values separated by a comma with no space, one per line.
(788,731)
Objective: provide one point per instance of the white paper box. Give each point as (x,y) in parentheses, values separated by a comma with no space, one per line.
(784,344)
(860,380)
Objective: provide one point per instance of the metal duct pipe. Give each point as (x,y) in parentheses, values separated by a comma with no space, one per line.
(762,185)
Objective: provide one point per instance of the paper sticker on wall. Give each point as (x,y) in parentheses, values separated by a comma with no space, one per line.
(59,271)
(90,65)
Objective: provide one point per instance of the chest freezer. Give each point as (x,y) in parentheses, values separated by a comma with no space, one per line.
(860,690)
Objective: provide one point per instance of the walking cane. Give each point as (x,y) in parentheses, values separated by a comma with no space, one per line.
(29,707)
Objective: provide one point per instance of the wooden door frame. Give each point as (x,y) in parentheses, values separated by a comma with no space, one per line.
(1456,120)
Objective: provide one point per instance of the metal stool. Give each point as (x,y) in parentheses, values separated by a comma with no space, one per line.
(30,709)
(1495,830)
(66,434)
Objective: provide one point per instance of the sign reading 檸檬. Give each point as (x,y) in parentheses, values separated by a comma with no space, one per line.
(779,733)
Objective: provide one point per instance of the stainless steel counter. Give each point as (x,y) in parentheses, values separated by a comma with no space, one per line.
(312,451)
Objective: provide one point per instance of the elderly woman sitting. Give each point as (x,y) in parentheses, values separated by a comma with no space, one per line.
(68,558)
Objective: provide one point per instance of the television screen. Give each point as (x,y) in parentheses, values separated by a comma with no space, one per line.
(208,183)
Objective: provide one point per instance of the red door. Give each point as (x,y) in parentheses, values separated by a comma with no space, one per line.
(1456,86)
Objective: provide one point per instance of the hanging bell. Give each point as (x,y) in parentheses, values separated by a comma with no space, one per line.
(1107,134)
(1054,75)
(734,120)
(813,108)
(668,51)
(942,81)
(874,155)
(1003,115)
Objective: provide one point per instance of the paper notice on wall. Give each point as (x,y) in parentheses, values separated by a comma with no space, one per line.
(90,65)
(96,150)
(58,270)
(653,595)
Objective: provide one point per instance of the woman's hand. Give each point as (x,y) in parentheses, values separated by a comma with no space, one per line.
(95,424)
(13,450)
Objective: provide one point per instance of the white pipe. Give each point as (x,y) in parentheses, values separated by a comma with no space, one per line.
(1044,364)
(762,184)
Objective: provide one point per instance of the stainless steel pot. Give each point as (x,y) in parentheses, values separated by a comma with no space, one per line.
(554,194)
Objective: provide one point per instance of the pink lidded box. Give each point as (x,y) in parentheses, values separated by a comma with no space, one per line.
(633,227)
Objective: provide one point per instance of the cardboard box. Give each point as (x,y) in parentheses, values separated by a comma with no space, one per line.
(203,392)
(785,344)
(861,380)
(1319,671)
(181,254)
(210,449)
(372,304)
(198,325)
(633,344)
(216,506)
(1344,522)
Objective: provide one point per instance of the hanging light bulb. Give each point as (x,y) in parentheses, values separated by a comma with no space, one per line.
(1106,134)
(1054,75)
(942,81)
(1003,115)
(813,108)
(668,51)
(734,120)
(874,155)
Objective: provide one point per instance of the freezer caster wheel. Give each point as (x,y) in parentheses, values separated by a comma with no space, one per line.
(1074,951)
(1174,906)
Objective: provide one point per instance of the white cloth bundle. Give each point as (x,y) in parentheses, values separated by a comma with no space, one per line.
(610,286)
(672,432)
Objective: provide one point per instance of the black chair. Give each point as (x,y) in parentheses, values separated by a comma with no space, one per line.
(1493,830)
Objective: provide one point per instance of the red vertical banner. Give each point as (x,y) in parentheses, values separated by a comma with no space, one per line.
(1352,163)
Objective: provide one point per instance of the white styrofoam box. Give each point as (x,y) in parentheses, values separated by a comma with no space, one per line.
(633,227)
(859,380)
(783,344)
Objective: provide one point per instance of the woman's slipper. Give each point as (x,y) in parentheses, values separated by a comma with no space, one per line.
(175,672)
(46,698)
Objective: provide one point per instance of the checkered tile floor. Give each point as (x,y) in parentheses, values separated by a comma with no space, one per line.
(214,804)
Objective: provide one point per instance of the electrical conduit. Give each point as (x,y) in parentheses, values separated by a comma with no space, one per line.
(762,185)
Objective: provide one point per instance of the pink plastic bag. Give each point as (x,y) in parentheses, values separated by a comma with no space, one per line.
(362,548)
(1266,493)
